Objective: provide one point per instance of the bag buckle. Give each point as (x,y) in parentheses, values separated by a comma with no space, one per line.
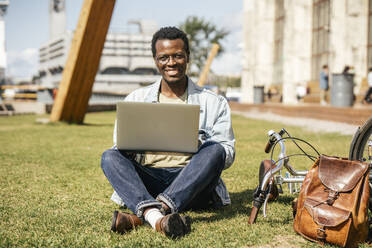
(320,234)
(332,196)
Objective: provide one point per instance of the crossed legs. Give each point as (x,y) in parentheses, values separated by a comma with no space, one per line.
(142,188)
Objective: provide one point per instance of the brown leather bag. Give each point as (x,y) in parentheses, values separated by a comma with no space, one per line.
(333,202)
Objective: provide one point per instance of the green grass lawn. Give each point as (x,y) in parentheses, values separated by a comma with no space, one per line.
(53,192)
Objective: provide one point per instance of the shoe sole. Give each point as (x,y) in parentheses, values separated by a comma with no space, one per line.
(175,226)
(113,224)
(187,224)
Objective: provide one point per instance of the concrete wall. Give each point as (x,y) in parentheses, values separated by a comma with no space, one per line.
(247,78)
(258,62)
(57,18)
(2,44)
(3,8)
(348,37)
(296,47)
(348,44)
(258,46)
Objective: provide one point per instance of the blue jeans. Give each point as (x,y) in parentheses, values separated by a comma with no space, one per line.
(181,188)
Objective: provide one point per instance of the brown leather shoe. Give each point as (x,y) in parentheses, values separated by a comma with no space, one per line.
(187,223)
(123,222)
(174,225)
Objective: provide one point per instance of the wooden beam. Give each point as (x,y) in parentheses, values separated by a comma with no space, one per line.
(81,67)
(207,66)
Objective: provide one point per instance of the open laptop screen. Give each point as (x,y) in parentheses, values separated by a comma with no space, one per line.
(157,127)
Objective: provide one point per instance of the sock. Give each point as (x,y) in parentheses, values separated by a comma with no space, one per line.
(152,216)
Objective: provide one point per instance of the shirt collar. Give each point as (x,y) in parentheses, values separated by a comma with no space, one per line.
(153,95)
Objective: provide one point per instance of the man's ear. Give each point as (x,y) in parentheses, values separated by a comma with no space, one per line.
(156,65)
(155,62)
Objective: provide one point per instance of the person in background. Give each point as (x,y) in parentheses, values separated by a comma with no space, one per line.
(346,70)
(300,92)
(367,98)
(323,84)
(351,70)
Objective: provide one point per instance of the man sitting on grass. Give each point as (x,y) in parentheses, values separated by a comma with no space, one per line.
(157,187)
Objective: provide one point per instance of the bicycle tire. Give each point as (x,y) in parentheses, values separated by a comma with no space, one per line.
(359,149)
(358,144)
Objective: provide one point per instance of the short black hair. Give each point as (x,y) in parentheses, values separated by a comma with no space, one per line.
(170,33)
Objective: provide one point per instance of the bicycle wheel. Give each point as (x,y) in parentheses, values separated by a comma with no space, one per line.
(360,148)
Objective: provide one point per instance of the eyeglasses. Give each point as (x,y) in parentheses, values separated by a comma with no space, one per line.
(164,59)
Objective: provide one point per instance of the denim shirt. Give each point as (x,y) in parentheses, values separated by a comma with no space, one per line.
(323,80)
(214,123)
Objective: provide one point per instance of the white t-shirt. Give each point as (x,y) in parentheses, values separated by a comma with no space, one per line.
(161,160)
(369,78)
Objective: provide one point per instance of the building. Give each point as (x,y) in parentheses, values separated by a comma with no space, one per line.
(3,7)
(126,61)
(286,43)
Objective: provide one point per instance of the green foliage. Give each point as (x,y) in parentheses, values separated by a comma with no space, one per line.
(202,34)
(53,192)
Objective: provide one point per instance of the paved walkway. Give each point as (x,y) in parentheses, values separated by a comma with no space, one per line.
(310,124)
(311,116)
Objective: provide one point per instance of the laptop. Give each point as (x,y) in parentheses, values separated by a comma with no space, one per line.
(157,127)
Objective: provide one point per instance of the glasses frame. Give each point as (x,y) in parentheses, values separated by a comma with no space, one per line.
(165,58)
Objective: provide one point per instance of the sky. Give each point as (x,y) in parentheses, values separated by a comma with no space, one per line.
(26,27)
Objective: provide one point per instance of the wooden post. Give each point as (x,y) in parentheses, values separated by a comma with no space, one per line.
(81,67)
(207,66)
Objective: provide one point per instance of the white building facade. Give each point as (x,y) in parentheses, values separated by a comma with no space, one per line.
(3,8)
(126,61)
(286,42)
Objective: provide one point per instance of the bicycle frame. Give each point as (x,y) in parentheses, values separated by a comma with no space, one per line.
(295,176)
(273,176)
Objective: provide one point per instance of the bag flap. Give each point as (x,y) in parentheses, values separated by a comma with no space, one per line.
(340,175)
(325,215)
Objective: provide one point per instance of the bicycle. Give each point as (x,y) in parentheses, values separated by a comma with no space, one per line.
(270,171)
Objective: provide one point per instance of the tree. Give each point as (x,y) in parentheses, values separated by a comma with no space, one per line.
(201,35)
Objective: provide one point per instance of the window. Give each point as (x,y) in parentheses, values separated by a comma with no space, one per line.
(320,37)
(115,71)
(145,71)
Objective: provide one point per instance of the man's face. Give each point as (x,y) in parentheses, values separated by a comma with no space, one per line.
(171,60)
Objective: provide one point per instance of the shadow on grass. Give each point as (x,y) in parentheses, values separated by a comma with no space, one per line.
(97,124)
(286,199)
(239,203)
